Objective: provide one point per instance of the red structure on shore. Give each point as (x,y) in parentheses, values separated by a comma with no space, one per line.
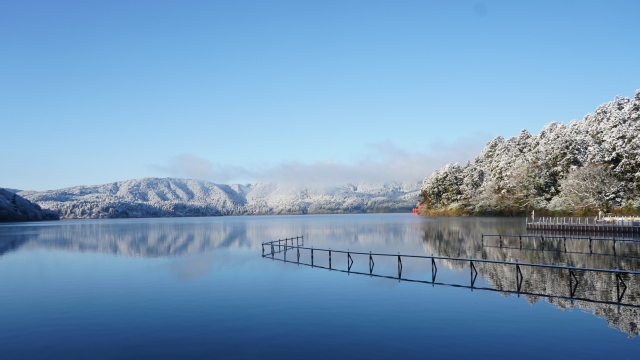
(416,210)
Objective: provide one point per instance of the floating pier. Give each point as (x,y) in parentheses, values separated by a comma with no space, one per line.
(282,246)
(613,225)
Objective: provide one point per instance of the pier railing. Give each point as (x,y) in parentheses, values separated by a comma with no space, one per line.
(284,245)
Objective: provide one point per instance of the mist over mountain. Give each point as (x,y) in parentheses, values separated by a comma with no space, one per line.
(171,197)
(579,168)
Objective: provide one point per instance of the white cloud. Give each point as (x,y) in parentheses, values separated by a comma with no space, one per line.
(383,162)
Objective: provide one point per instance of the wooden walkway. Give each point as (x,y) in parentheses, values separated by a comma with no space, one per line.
(627,226)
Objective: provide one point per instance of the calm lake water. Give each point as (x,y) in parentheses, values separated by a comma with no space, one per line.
(200,288)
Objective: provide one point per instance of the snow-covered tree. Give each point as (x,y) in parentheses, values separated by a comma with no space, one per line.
(530,171)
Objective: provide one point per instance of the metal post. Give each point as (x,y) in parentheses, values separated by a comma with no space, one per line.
(519,277)
(399,266)
(520,241)
(262,249)
(572,277)
(620,281)
(472,269)
(312,256)
(298,249)
(371,263)
(434,270)
(329,258)
(590,252)
(349,262)
(565,244)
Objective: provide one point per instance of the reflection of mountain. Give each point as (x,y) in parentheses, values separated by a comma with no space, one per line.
(173,237)
(462,238)
(459,237)
(134,239)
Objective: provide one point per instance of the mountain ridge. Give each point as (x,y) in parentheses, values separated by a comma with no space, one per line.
(167,197)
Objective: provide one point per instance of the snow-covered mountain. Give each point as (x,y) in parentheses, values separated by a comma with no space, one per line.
(578,167)
(164,197)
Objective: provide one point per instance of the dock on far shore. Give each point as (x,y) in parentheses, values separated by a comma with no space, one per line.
(597,224)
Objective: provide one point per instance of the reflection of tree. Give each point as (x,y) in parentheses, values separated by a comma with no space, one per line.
(14,242)
(462,238)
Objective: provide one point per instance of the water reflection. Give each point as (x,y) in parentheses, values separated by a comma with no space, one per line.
(187,236)
(462,238)
(453,237)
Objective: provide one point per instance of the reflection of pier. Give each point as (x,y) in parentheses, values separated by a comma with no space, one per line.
(542,239)
(570,274)
(614,225)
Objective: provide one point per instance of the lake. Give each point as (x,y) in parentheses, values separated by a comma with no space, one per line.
(200,288)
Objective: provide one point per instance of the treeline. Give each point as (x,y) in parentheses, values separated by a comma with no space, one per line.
(579,168)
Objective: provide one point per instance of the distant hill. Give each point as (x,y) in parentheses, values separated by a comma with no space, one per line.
(15,208)
(579,168)
(169,197)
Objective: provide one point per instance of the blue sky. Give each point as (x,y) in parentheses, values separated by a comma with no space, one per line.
(94,92)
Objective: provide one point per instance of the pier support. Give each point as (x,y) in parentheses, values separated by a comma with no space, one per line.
(434,270)
(473,271)
(519,277)
(572,287)
(619,282)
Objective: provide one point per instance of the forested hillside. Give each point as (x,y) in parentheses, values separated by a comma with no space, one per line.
(575,168)
(13,207)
